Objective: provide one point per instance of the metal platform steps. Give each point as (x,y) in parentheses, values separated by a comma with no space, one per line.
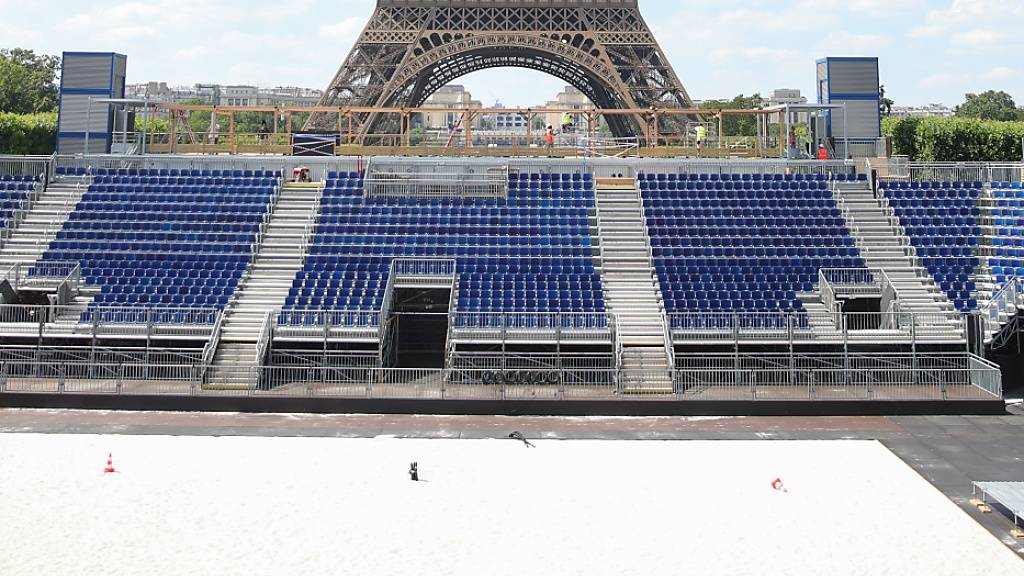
(631,290)
(43,221)
(884,245)
(265,286)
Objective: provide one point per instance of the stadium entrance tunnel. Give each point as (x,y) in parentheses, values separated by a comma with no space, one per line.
(418,328)
(862,312)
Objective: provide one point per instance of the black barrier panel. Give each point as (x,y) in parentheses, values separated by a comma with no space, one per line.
(315,144)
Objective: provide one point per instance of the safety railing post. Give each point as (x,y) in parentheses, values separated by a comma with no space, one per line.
(792,358)
(736,349)
(846,350)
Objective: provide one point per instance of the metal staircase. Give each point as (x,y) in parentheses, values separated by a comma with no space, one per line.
(883,244)
(265,286)
(43,220)
(631,291)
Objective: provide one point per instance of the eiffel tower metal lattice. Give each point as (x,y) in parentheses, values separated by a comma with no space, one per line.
(410,48)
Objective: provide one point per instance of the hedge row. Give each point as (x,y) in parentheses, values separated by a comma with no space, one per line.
(955,139)
(28,133)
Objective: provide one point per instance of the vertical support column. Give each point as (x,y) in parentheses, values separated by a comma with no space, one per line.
(231,133)
(173,144)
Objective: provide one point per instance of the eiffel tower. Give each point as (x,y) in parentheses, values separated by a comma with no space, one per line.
(410,48)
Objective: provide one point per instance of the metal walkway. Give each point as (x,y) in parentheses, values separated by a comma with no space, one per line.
(1009,494)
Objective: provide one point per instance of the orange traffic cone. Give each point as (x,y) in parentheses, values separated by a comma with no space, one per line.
(110,464)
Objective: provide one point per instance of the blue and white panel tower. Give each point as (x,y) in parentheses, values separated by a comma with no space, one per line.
(88,76)
(853,82)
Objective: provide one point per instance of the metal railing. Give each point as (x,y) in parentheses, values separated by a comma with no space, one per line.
(319,319)
(266,337)
(607,147)
(892,327)
(533,321)
(53,320)
(434,179)
(941,380)
(736,166)
(836,283)
(433,267)
(899,168)
(1003,305)
(26,166)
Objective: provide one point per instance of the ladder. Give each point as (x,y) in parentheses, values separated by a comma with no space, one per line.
(455,130)
(183,117)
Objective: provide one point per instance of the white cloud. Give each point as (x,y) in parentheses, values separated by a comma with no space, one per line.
(131,32)
(345,29)
(1001,73)
(842,43)
(192,53)
(976,23)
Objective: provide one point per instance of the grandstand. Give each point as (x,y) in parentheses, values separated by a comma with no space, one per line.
(504,279)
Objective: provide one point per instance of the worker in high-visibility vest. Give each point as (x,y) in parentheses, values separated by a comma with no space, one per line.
(822,151)
(566,122)
(702,134)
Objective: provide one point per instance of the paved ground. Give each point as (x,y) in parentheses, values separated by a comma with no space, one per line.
(950,451)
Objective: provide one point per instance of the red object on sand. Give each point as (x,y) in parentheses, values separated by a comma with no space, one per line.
(777,485)
(110,464)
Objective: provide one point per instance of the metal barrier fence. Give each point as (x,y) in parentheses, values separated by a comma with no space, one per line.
(436,178)
(1004,305)
(733,166)
(25,166)
(979,381)
(899,168)
(55,319)
(894,327)
(423,266)
(319,167)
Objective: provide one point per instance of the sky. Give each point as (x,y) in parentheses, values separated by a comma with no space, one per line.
(930,50)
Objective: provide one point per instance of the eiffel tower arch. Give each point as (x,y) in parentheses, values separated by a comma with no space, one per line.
(411,48)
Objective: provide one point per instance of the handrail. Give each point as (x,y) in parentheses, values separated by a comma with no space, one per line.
(311,223)
(1008,294)
(265,338)
(389,290)
(453,301)
(617,335)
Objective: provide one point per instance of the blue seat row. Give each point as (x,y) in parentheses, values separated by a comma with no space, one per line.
(149,248)
(704,242)
(940,218)
(747,177)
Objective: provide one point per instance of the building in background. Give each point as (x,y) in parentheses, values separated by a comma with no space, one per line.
(568,99)
(783,96)
(220,95)
(509,121)
(928,110)
(450,96)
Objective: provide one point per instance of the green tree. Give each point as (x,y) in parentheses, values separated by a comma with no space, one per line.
(737,125)
(990,105)
(28,82)
(417,135)
(955,139)
(28,133)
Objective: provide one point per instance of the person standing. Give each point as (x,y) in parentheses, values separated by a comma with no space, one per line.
(702,134)
(549,139)
(264,132)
